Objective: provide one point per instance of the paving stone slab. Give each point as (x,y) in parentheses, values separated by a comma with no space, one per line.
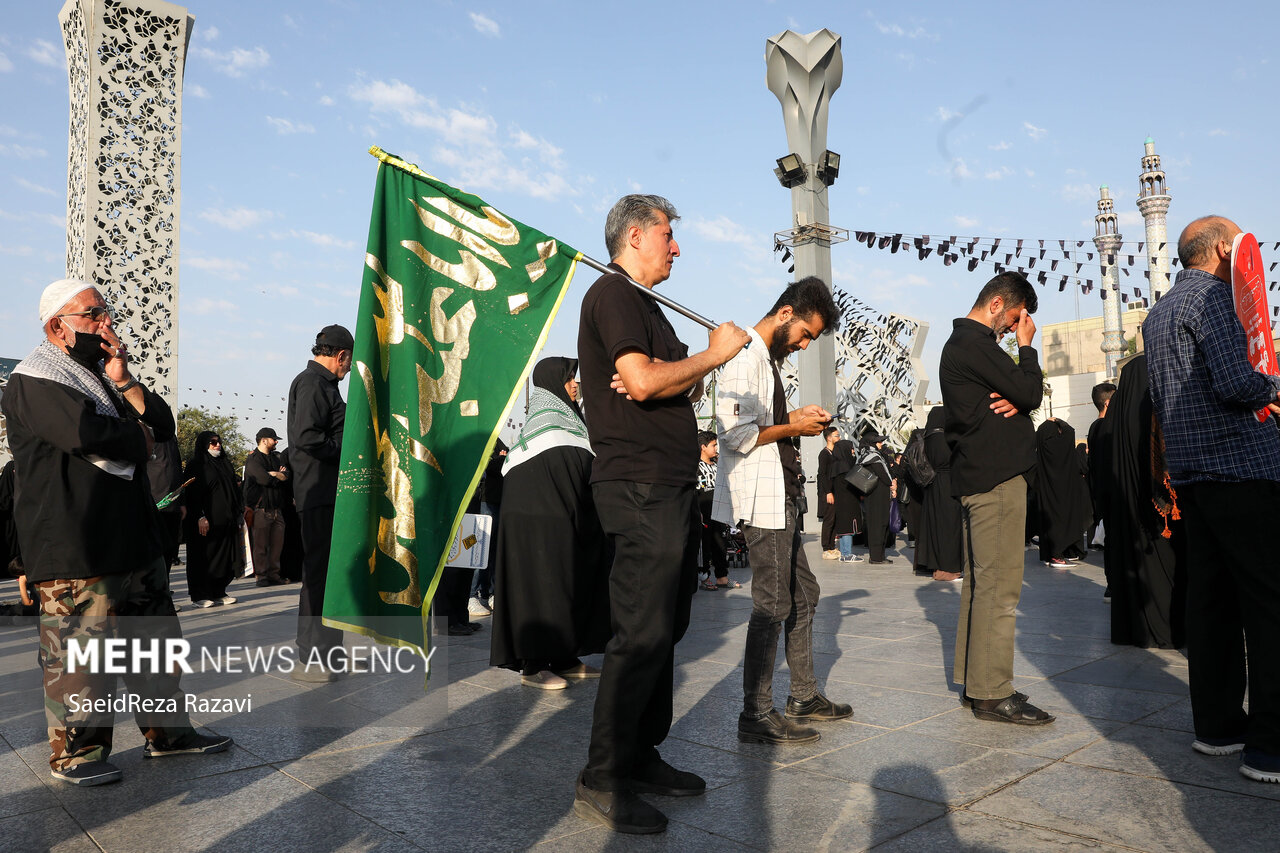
(1091,700)
(790,809)
(1151,674)
(1136,811)
(1065,735)
(925,768)
(1166,754)
(715,723)
(971,833)
(678,836)
(50,830)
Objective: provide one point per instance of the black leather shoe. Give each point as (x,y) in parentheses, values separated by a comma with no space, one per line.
(621,811)
(774,728)
(1014,709)
(661,778)
(968,703)
(461,629)
(818,709)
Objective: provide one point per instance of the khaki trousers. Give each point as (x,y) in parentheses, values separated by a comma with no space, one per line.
(994,532)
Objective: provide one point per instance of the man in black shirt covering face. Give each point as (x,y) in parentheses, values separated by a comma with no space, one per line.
(992,448)
(638,381)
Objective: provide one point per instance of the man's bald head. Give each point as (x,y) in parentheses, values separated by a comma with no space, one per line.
(1198,245)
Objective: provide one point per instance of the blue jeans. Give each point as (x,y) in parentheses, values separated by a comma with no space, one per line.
(846,546)
(784,594)
(482,579)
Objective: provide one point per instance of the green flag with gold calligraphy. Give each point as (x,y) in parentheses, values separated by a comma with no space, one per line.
(455,303)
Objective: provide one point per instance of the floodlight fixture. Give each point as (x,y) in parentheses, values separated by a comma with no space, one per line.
(829,167)
(790,170)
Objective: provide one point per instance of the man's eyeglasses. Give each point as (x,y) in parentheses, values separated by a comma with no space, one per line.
(96,314)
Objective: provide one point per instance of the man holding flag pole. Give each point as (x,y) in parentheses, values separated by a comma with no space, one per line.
(639,382)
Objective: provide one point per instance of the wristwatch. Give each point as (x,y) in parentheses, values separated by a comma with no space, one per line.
(131,384)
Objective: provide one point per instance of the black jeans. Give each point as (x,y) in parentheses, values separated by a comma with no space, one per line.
(317,534)
(654,576)
(1233,599)
(828,525)
(784,592)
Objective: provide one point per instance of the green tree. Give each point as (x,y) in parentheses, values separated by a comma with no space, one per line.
(193,421)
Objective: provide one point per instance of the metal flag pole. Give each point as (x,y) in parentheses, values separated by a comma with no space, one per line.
(650,292)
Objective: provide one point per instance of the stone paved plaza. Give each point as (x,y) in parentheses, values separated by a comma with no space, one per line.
(478,762)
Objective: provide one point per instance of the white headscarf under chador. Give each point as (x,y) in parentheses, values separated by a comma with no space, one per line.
(58,294)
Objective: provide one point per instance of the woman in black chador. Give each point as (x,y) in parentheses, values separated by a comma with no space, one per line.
(215,506)
(1147,570)
(875,503)
(1059,494)
(551,586)
(939,545)
(848,506)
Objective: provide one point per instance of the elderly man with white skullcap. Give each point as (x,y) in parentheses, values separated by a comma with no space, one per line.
(81,429)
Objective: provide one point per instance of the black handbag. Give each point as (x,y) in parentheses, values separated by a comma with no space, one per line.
(863,479)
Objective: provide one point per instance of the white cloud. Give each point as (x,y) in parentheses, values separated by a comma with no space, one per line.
(945,115)
(27,216)
(45,53)
(1036,133)
(898,31)
(20,251)
(722,229)
(469,142)
(211,306)
(1217,131)
(997,174)
(227,268)
(1079,192)
(960,169)
(6,64)
(864,190)
(327,241)
(35,188)
(208,33)
(485,26)
(195,90)
(6,130)
(1000,146)
(284,127)
(22,152)
(326,101)
(235,62)
(237,218)
(964,221)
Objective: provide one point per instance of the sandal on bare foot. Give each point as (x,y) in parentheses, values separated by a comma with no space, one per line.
(729,585)
(709,585)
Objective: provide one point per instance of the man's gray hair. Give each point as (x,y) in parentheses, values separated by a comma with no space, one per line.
(639,210)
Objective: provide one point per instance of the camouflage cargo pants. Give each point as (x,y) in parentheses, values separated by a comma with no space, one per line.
(128,605)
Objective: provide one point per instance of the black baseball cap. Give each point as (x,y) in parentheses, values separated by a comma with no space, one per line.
(266,432)
(336,336)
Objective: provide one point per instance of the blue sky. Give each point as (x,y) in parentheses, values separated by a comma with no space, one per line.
(999,121)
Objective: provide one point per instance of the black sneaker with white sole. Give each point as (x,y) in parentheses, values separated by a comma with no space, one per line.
(189,744)
(89,773)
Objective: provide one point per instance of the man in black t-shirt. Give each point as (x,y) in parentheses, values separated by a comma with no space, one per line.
(638,381)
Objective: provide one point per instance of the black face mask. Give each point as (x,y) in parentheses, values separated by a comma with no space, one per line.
(87,349)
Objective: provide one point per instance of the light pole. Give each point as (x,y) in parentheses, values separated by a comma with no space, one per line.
(803,72)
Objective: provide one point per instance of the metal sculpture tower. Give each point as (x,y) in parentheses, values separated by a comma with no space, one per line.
(125,62)
(1108,240)
(803,72)
(1153,203)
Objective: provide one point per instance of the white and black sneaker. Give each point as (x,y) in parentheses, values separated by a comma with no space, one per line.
(89,773)
(189,744)
(477,609)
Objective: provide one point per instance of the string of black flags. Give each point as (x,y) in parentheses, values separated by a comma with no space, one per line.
(1047,262)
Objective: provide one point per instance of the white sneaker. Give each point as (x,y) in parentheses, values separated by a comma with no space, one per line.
(204,602)
(476,608)
(491,604)
(227,599)
(831,555)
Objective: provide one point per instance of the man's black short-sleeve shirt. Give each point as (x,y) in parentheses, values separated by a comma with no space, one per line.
(649,442)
